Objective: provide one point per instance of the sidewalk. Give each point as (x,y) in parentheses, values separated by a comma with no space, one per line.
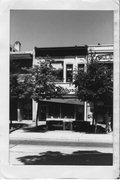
(29,146)
(58,135)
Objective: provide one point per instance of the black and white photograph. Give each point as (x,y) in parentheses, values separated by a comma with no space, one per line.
(61,88)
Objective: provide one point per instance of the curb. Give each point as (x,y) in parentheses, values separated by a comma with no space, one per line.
(62,139)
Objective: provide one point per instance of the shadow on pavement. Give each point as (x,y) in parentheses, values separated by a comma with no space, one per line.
(99,130)
(76,158)
(16,126)
(41,128)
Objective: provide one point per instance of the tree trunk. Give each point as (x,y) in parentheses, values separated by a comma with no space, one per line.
(37,115)
(93,121)
(95,127)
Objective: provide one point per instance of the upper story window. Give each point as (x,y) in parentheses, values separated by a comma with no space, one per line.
(69,72)
(81,67)
(58,70)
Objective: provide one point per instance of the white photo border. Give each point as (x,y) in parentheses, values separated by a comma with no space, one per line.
(70,172)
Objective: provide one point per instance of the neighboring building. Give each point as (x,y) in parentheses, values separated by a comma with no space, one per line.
(21,109)
(104,54)
(67,60)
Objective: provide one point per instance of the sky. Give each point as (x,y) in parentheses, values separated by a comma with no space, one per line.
(58,28)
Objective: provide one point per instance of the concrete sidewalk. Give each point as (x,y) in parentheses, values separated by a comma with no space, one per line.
(58,135)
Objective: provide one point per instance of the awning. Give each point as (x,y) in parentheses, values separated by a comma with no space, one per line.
(65,101)
(61,51)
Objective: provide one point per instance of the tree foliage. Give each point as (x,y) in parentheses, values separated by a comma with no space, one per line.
(38,82)
(95,84)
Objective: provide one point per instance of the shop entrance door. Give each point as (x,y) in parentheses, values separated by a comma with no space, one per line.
(43,112)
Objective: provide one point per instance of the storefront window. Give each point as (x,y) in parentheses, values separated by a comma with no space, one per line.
(67,111)
(57,110)
(69,72)
(54,110)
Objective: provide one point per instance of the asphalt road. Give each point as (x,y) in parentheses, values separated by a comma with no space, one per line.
(43,152)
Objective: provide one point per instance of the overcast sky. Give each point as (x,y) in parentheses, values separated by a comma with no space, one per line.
(54,28)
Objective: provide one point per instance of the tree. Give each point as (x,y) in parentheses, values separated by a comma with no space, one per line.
(41,82)
(38,83)
(95,85)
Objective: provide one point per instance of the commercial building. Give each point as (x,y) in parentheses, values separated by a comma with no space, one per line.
(20,109)
(68,60)
(104,54)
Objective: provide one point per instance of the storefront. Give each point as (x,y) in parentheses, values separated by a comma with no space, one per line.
(61,109)
(61,113)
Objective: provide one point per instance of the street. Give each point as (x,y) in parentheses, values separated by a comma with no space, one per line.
(87,150)
(81,144)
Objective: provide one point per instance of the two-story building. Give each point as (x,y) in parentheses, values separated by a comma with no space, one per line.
(67,60)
